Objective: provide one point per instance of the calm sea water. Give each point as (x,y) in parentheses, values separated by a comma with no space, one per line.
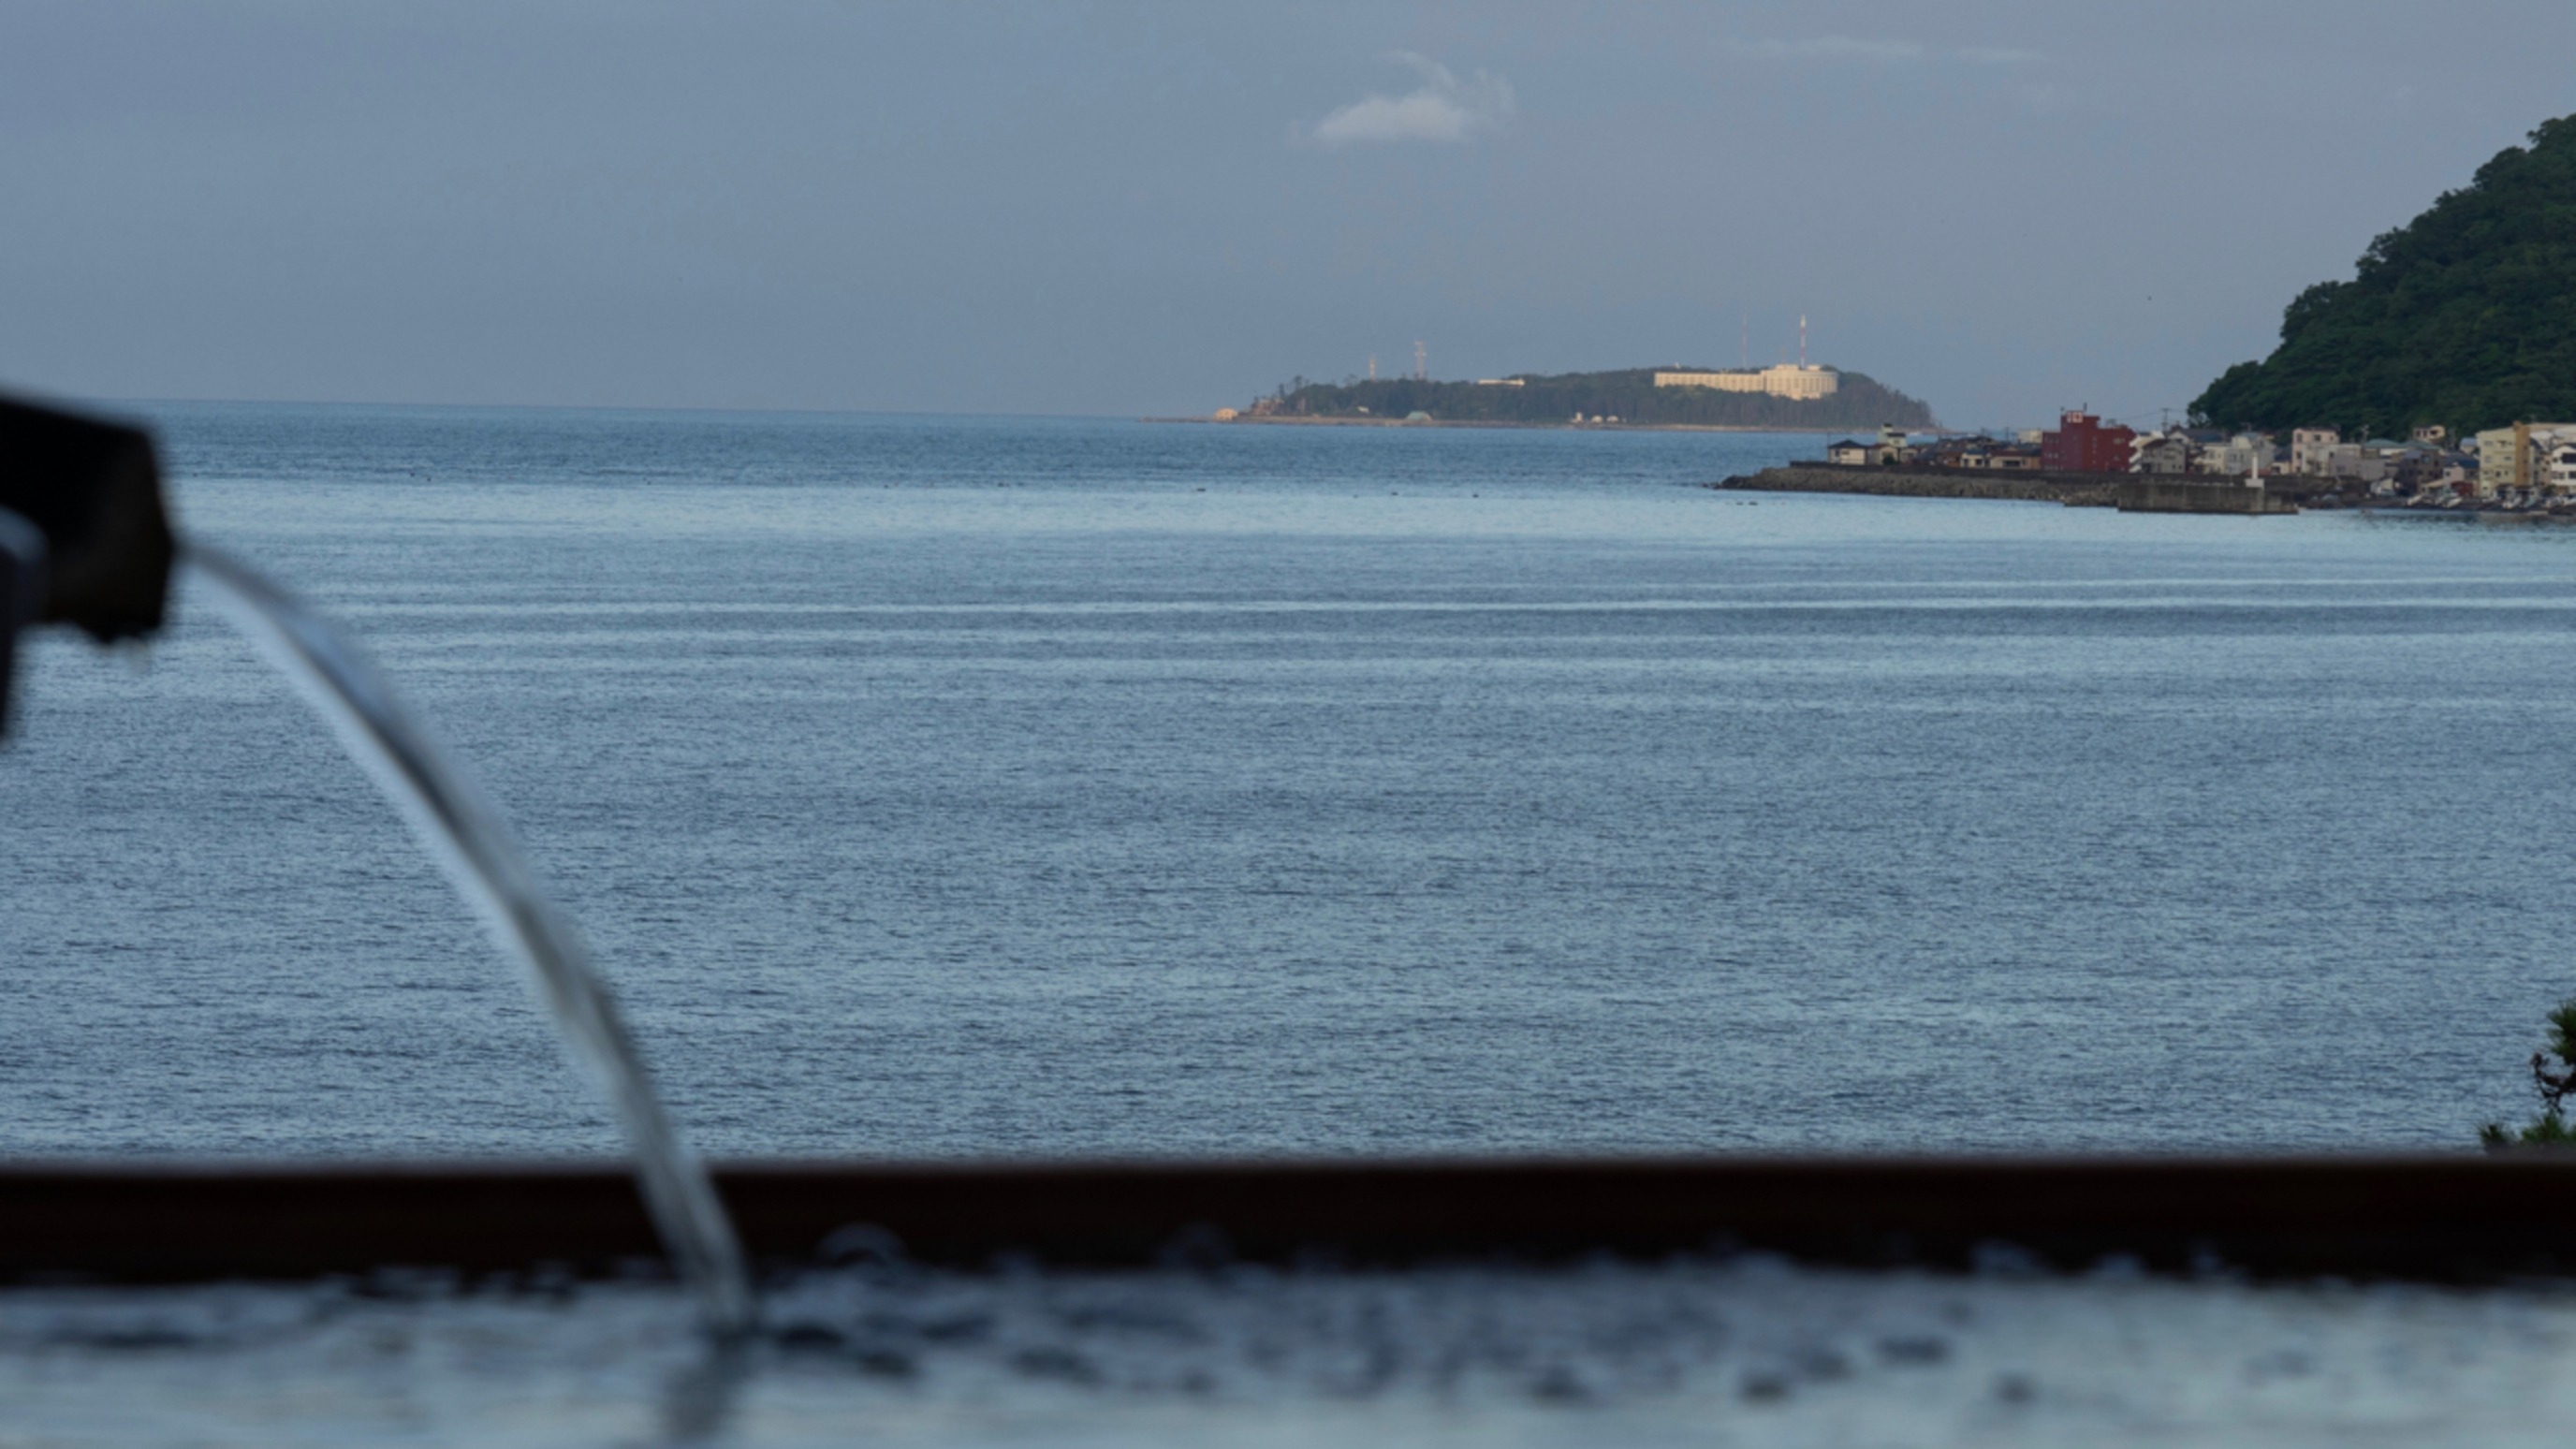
(962,786)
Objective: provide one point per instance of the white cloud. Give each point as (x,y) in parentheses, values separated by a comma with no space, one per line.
(1878,52)
(1443,109)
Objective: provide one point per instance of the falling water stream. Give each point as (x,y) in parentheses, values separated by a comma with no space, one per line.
(467,836)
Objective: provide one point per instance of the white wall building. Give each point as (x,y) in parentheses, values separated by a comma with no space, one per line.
(2549,443)
(2346,460)
(1786,380)
(2524,456)
(2245,453)
(2160,453)
(2312,450)
(2561,459)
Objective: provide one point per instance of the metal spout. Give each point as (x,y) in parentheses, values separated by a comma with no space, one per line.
(84,538)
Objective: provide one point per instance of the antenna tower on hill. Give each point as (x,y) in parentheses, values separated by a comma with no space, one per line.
(1802,339)
(1421,362)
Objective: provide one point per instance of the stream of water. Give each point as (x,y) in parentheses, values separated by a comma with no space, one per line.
(467,836)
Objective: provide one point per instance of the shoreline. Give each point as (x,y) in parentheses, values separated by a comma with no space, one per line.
(2129,492)
(1475,423)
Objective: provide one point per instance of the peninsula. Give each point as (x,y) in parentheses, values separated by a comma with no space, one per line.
(1784,398)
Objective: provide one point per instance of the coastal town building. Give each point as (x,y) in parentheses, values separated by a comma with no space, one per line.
(2527,469)
(2081,444)
(2548,441)
(1953,452)
(2410,467)
(2365,461)
(1894,447)
(2168,454)
(2523,457)
(2530,467)
(2322,453)
(1787,380)
(1999,457)
(2312,450)
(2240,455)
(2500,453)
(2386,458)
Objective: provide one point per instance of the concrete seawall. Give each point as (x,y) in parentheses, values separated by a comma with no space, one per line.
(2176,496)
(2081,490)
(2075,490)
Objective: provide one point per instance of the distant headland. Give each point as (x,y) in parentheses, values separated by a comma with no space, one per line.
(1785,398)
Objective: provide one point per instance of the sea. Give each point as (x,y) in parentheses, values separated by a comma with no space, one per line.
(937,787)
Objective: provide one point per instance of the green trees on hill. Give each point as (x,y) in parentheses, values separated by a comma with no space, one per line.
(1629,396)
(2465,316)
(2554,1086)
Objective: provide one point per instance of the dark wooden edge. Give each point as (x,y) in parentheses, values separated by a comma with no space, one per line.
(2456,1218)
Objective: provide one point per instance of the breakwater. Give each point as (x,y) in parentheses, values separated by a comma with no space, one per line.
(2074,490)
(2079,490)
(2173,495)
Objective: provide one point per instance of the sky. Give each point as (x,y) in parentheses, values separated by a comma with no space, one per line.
(2005,207)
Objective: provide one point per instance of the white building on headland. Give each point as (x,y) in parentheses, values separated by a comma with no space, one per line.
(1786,380)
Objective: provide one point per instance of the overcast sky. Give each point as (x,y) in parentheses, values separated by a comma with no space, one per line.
(2002,206)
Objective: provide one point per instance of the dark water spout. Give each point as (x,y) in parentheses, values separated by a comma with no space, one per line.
(472,844)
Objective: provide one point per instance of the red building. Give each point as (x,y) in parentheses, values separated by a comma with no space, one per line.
(2082,445)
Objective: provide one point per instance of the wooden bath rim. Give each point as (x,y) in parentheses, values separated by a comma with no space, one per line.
(2453,1217)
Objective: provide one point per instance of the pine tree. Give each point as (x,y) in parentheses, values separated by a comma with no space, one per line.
(2553,1084)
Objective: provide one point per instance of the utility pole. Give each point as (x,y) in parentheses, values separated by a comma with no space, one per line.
(1421,362)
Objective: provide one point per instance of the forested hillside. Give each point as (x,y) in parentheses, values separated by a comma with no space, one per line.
(2466,316)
